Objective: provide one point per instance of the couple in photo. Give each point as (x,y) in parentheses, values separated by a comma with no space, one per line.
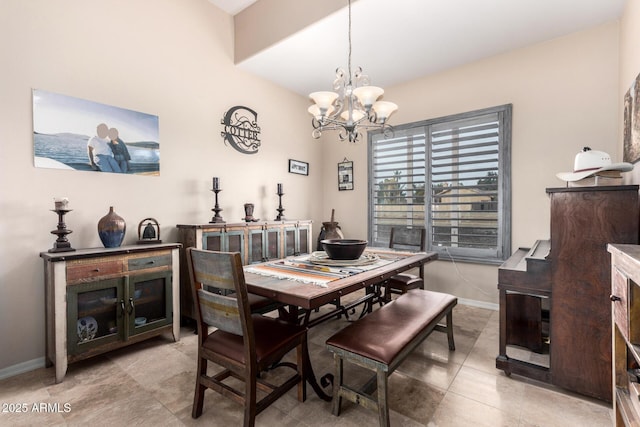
(107,152)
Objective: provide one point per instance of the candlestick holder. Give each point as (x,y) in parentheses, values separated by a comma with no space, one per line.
(217,219)
(61,244)
(280,209)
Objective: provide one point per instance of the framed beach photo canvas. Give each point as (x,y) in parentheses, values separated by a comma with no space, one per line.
(75,134)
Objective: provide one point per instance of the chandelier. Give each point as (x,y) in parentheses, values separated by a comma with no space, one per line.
(352,107)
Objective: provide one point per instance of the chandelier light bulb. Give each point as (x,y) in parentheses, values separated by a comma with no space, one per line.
(316,111)
(367,95)
(356,115)
(323,99)
(383,110)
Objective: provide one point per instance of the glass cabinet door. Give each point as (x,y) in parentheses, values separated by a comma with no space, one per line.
(290,241)
(297,240)
(304,243)
(212,240)
(256,246)
(273,243)
(226,241)
(234,242)
(149,302)
(264,244)
(95,314)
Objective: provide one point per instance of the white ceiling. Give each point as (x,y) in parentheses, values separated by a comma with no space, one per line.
(396,41)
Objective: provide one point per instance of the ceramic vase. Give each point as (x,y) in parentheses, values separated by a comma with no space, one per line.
(329,230)
(111,229)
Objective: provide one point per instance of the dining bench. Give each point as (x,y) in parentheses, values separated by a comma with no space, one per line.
(381,340)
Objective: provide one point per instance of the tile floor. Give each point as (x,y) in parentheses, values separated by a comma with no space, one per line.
(151,384)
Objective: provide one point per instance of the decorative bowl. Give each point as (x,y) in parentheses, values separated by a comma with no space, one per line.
(344,248)
(140,321)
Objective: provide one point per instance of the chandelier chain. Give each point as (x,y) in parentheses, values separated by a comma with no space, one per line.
(349,57)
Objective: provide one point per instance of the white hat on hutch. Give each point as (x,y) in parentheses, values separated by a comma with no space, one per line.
(590,162)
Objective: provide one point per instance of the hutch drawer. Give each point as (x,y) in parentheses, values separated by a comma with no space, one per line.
(84,270)
(154,261)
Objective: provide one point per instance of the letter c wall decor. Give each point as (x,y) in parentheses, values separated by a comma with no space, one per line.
(241,129)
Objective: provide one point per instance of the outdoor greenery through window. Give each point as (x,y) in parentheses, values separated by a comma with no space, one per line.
(451,175)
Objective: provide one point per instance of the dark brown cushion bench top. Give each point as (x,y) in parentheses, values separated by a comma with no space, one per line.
(383,334)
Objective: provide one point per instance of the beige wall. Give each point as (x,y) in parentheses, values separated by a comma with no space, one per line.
(564,95)
(171,58)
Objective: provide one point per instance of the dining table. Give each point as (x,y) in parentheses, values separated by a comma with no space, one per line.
(304,283)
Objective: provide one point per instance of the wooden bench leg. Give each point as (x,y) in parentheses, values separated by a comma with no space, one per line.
(452,344)
(337,385)
(383,398)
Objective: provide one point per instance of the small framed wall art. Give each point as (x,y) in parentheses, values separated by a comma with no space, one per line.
(345,175)
(298,167)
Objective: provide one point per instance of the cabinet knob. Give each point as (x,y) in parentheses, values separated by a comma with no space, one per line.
(614,298)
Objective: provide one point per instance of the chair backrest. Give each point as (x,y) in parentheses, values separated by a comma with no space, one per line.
(409,239)
(219,290)
(412,239)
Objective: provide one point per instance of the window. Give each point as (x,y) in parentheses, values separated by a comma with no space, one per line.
(451,175)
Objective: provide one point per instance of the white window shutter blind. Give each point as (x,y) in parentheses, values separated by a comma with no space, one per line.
(450,175)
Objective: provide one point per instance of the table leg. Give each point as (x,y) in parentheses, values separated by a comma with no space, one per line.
(373,295)
(313,382)
(292,315)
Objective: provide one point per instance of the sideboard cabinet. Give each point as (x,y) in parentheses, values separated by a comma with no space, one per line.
(256,242)
(101,299)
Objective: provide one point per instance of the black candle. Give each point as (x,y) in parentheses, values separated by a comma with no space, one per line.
(280,189)
(216,183)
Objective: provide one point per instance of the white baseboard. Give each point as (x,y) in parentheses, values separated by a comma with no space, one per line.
(20,368)
(480,304)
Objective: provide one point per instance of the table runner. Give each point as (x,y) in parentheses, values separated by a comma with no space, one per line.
(301,270)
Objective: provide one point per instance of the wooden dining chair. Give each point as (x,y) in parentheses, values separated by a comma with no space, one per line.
(410,239)
(244,344)
(262,305)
